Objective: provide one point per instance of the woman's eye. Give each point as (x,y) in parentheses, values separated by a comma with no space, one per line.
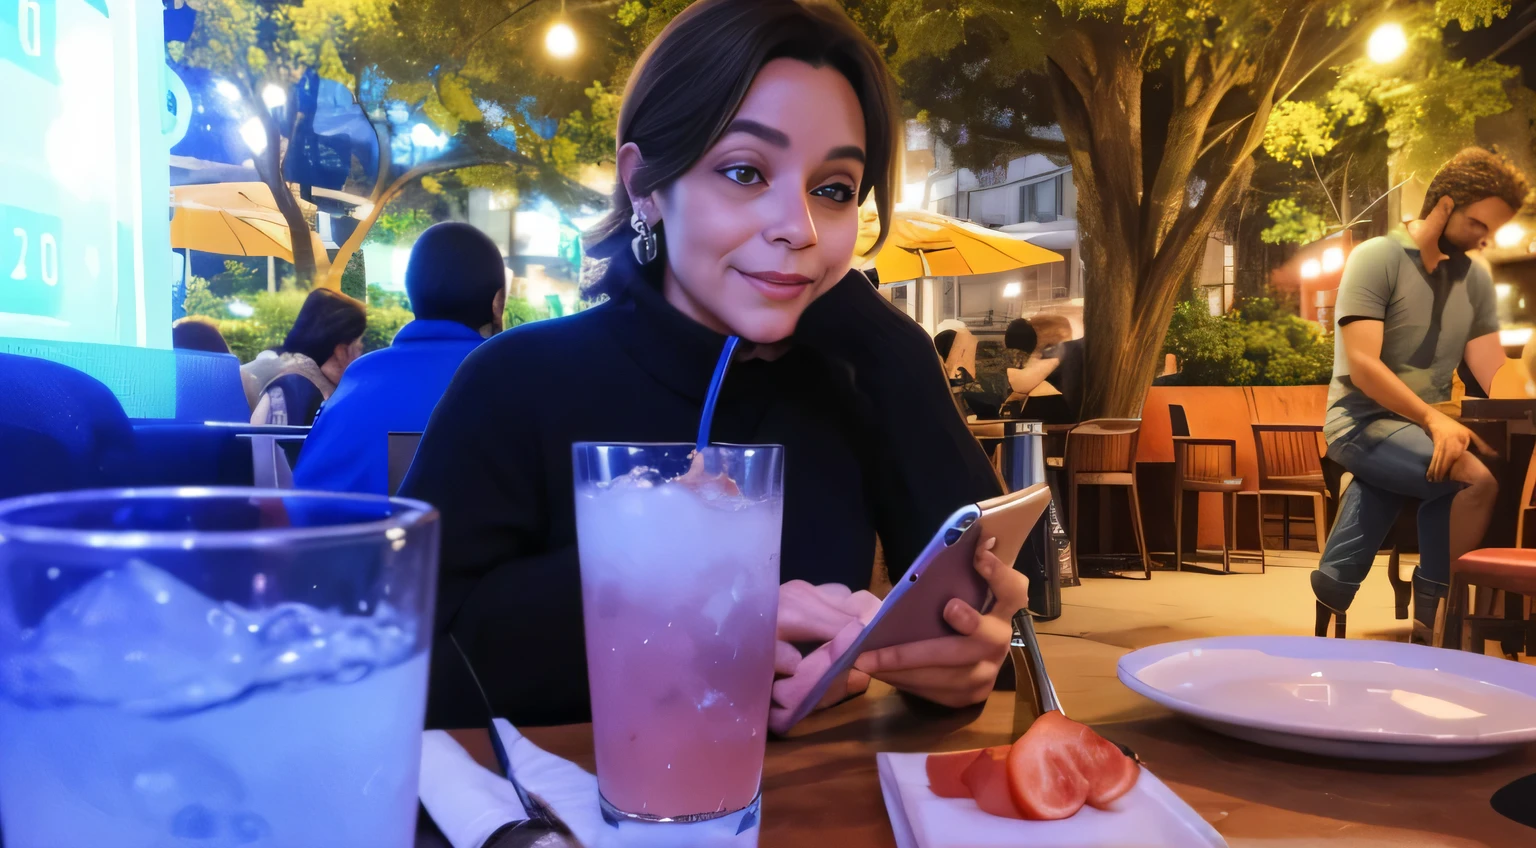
(743,175)
(836,192)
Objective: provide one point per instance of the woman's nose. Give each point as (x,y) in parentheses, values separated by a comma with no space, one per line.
(791,225)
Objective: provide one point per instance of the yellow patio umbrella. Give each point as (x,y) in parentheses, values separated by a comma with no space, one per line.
(235,219)
(925,244)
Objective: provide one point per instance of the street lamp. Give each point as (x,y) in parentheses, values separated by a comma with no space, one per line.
(424,136)
(560,40)
(254,135)
(1387,44)
(1509,235)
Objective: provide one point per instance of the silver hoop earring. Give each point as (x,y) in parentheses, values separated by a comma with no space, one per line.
(644,244)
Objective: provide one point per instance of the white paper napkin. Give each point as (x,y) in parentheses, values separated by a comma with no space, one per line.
(469,802)
(1149,816)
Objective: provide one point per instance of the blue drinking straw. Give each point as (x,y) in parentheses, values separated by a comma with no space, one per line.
(714,390)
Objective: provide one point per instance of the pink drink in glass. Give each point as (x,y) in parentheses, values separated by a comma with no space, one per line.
(680,598)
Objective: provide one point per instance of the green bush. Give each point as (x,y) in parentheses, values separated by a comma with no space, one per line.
(200,300)
(1257,344)
(522,311)
(383,323)
(380,297)
(245,338)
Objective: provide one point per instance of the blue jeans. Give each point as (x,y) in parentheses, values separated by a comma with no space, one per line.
(1389,459)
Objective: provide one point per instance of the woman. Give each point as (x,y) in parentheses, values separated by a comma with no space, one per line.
(198,333)
(325,338)
(750,132)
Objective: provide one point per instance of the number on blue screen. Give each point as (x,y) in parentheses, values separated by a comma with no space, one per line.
(20,271)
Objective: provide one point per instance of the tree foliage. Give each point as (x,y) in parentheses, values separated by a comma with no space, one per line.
(1420,109)
(1145,98)
(471,70)
(1294,223)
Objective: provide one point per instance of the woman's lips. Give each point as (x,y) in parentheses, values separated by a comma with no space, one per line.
(776,286)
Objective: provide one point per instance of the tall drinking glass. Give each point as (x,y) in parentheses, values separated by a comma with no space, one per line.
(213,667)
(680,588)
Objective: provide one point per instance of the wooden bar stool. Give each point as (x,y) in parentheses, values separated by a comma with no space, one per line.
(1205,465)
(1507,571)
(1291,466)
(1102,452)
(1200,466)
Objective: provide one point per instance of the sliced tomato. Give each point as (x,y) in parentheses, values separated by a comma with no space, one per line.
(1110,772)
(1059,765)
(988,782)
(946,770)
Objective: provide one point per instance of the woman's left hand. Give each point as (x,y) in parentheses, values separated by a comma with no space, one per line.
(958,671)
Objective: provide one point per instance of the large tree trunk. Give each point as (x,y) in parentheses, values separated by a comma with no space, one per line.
(1145,211)
(1103,133)
(269,166)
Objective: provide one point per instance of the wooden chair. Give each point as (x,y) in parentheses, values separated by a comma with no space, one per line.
(1507,571)
(1291,466)
(1102,452)
(1200,466)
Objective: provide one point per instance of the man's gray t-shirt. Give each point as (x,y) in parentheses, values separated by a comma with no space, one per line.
(1428,318)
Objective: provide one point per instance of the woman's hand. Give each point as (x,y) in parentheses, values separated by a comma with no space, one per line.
(817,613)
(830,614)
(958,671)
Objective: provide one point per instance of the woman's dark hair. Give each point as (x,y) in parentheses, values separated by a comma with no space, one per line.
(327,319)
(1020,336)
(1477,174)
(943,343)
(198,333)
(691,80)
(454,273)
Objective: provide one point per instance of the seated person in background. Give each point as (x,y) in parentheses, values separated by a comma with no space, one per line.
(1061,363)
(997,379)
(1412,305)
(957,348)
(457,283)
(198,333)
(256,374)
(326,338)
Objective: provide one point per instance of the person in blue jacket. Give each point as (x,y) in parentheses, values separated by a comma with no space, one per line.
(456,281)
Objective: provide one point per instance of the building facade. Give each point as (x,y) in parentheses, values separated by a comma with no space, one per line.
(1031,198)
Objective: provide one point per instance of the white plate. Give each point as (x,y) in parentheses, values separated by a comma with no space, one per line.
(1354,698)
(1149,816)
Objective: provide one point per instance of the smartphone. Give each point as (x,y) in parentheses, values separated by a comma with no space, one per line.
(914,610)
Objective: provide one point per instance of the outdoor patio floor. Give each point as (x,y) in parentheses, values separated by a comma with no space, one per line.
(1131,614)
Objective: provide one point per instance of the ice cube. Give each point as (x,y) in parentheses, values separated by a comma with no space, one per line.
(169,778)
(249,827)
(134,636)
(195,821)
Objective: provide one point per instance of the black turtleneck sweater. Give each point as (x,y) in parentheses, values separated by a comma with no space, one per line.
(872,445)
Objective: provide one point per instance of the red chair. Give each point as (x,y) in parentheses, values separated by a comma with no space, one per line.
(1510,571)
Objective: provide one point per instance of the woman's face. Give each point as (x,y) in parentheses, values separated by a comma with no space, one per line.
(766,221)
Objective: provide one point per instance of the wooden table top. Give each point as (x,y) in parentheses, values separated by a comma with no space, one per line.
(821,789)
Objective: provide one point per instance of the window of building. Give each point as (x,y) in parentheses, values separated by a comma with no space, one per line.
(1041,202)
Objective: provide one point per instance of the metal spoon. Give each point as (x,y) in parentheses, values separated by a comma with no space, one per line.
(543,828)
